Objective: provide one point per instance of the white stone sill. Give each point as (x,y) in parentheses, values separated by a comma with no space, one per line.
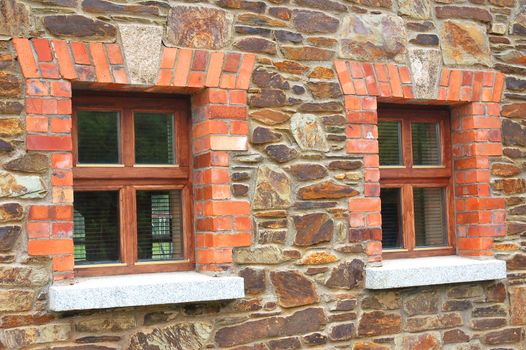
(400,273)
(142,289)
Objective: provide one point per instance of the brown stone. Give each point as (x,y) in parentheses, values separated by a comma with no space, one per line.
(342,332)
(293,289)
(8,237)
(106,323)
(10,127)
(315,339)
(322,42)
(77,26)
(347,275)
(273,189)
(284,344)
(239,190)
(313,228)
(326,5)
(321,73)
(423,323)
(513,134)
(465,291)
(98,339)
(421,342)
(490,311)
(198,27)
(518,305)
(280,12)
(314,22)
(5,147)
(281,153)
(318,258)
(10,107)
(379,323)
(300,322)
(484,324)
(10,84)
(312,107)
(14,18)
(496,293)
(29,163)
(13,300)
(324,90)
(510,186)
(370,346)
(270,255)
(514,110)
(254,6)
(258,45)
(384,38)
(345,165)
(463,12)
(308,171)
(257,20)
(103,7)
(268,98)
(505,169)
(455,336)
(23,276)
(306,53)
(326,190)
(270,116)
(12,321)
(265,79)
(254,280)
(181,336)
(425,40)
(418,9)
(382,301)
(261,135)
(422,303)
(17,338)
(457,305)
(11,212)
(503,336)
(375,3)
(464,43)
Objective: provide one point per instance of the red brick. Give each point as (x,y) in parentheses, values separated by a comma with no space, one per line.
(61,88)
(36,123)
(356,70)
(62,178)
(454,85)
(38,230)
(39,212)
(214,256)
(362,146)
(165,77)
(50,247)
(245,72)
(220,208)
(62,212)
(488,78)
(42,49)
(114,53)
(444,77)
(211,240)
(228,81)
(209,127)
(26,58)
(232,62)
(65,63)
(168,58)
(381,72)
(102,67)
(475,243)
(49,70)
(120,76)
(405,75)
(62,230)
(364,204)
(394,79)
(214,69)
(61,161)
(228,143)
(63,263)
(227,112)
(182,67)
(344,77)
(36,87)
(80,53)
(48,143)
(477,86)
(238,97)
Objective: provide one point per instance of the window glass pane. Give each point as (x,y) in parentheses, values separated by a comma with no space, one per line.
(389,139)
(96,227)
(98,137)
(391,221)
(154,138)
(160,225)
(430,218)
(426,143)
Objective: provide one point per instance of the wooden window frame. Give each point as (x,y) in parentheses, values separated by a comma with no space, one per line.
(128,177)
(407,176)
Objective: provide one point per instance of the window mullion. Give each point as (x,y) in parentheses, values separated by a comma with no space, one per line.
(128,139)
(407,153)
(128,225)
(408,217)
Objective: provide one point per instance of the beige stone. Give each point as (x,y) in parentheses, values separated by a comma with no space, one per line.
(465,43)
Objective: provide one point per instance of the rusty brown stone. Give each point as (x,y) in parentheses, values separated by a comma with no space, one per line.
(455,336)
(261,135)
(268,98)
(14,300)
(254,280)
(321,73)
(484,324)
(198,27)
(10,84)
(270,116)
(314,22)
(306,53)
(313,228)
(496,293)
(191,336)
(421,342)
(423,323)
(379,323)
(503,336)
(315,107)
(11,212)
(421,303)
(12,321)
(77,26)
(326,190)
(514,110)
(254,6)
(326,5)
(293,289)
(342,332)
(273,189)
(505,169)
(463,12)
(103,7)
(510,186)
(281,153)
(308,171)
(518,305)
(8,237)
(324,90)
(369,346)
(14,18)
(347,275)
(10,127)
(257,45)
(290,67)
(464,43)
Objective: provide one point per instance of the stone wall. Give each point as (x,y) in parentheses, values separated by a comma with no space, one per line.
(304,270)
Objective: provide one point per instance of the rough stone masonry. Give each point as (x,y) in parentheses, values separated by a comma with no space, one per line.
(303,270)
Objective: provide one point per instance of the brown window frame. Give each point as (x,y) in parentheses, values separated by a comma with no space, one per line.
(127,177)
(407,176)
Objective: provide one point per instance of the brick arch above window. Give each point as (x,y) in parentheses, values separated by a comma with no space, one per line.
(474,98)
(218,82)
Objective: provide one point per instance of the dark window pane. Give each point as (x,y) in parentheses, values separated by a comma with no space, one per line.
(96,227)
(430,218)
(389,143)
(154,138)
(159,225)
(426,143)
(391,222)
(98,137)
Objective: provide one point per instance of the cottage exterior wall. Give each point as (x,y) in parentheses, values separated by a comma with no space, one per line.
(284,97)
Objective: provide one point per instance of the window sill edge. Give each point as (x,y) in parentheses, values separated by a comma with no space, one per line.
(401,273)
(90,293)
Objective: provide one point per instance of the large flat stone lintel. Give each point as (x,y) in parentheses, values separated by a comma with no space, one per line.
(144,289)
(400,273)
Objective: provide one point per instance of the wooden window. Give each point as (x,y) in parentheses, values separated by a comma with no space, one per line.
(131,179)
(416,183)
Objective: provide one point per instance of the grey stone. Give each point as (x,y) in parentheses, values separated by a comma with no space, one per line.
(181,336)
(398,273)
(418,9)
(21,186)
(426,65)
(259,255)
(144,289)
(17,338)
(142,48)
(308,132)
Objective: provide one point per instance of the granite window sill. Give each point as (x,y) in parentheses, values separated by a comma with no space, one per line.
(142,289)
(400,273)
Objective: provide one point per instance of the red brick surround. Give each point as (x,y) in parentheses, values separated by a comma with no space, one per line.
(218,82)
(476,136)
